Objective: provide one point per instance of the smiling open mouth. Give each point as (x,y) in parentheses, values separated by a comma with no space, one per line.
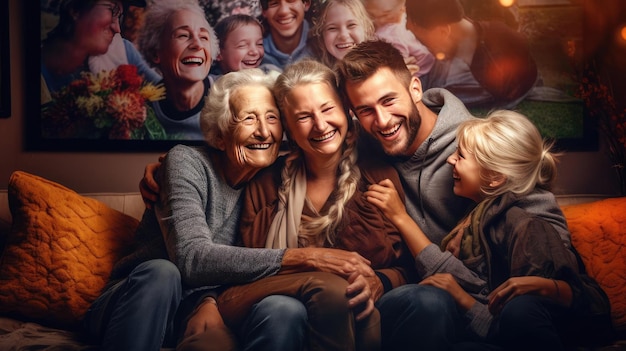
(193,61)
(325,136)
(392,131)
(250,62)
(263,146)
(344,46)
(285,21)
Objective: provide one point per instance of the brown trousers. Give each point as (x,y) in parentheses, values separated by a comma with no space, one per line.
(331,323)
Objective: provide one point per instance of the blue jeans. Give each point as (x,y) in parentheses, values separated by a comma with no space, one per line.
(330,322)
(138,312)
(276,323)
(528,323)
(418,317)
(424,317)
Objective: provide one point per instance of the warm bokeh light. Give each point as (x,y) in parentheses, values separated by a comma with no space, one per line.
(571,48)
(507,3)
(440,56)
(623,32)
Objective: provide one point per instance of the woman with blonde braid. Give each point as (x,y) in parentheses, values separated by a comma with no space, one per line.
(312,198)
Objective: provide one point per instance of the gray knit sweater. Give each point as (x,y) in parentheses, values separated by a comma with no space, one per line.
(198,214)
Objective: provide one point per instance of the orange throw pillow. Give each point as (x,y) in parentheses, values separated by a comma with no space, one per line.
(599,235)
(59,252)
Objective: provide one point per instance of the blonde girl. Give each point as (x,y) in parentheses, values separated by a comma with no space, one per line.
(341,24)
(514,282)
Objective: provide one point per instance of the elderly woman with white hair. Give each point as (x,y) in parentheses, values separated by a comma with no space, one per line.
(179,42)
(185,248)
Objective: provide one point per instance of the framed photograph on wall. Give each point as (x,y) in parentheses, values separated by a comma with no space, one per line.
(556,34)
(5,66)
(100,104)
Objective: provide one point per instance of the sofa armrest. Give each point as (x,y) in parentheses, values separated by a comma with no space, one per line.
(574,199)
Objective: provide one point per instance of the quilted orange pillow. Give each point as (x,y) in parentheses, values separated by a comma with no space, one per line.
(599,234)
(59,252)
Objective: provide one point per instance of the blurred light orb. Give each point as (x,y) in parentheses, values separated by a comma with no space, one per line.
(507,3)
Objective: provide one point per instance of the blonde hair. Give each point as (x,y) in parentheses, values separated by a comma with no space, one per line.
(316,33)
(317,231)
(506,143)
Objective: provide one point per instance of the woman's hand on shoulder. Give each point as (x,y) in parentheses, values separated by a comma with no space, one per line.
(148,186)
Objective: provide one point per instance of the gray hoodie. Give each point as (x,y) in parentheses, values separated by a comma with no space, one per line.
(427,177)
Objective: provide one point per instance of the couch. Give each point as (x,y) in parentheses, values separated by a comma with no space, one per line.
(59,246)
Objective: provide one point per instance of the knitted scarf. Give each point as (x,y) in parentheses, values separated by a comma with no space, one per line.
(470,248)
(283,232)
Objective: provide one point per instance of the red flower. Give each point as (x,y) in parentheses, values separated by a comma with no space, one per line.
(104,105)
(128,111)
(128,77)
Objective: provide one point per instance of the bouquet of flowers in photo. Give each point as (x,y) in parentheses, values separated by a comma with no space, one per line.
(107,105)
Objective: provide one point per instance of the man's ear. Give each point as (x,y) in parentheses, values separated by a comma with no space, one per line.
(155,58)
(444,30)
(307,5)
(415,89)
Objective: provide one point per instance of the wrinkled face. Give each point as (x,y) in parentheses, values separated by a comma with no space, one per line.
(383,12)
(184,55)
(342,31)
(466,174)
(386,110)
(242,48)
(285,18)
(315,120)
(257,131)
(96,27)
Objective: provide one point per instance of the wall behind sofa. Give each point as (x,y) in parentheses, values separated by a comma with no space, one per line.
(81,171)
(579,172)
